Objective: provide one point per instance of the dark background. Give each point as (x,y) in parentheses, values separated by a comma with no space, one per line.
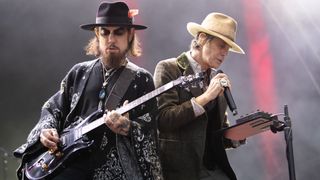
(40,40)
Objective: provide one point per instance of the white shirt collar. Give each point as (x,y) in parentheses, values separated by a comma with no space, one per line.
(195,65)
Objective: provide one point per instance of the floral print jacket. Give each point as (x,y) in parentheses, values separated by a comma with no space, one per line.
(59,112)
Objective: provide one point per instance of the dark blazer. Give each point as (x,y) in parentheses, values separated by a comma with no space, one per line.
(188,143)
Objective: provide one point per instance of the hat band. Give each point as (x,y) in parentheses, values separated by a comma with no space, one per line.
(223,34)
(113,20)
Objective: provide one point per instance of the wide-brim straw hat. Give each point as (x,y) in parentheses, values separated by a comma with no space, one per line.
(219,25)
(114,14)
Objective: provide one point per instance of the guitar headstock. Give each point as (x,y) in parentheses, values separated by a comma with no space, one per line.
(192,79)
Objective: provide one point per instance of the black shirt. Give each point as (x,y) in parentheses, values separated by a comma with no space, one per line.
(103,158)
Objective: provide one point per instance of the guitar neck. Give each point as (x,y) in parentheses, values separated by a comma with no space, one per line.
(87,128)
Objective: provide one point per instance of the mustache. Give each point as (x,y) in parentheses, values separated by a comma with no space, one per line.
(112,46)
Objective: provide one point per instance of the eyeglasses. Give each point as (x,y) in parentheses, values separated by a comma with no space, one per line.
(117,32)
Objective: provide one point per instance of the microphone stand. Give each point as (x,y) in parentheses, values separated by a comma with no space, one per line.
(286,126)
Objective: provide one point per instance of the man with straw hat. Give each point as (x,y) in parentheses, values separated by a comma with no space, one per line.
(124,146)
(188,118)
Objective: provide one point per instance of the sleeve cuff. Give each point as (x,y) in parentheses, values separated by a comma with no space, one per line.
(197,109)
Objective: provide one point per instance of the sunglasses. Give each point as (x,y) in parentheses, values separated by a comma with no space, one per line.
(117,32)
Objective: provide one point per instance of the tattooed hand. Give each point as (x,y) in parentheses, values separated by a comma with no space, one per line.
(49,138)
(119,124)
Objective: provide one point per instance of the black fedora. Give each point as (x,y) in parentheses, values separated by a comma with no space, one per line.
(113,14)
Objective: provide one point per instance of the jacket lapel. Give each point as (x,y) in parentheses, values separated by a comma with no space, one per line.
(82,83)
(183,63)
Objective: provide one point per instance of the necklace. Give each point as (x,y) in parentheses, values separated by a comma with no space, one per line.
(106,74)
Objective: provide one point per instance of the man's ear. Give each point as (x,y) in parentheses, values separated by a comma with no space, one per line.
(201,39)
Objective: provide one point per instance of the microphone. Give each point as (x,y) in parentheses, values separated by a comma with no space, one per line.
(229,98)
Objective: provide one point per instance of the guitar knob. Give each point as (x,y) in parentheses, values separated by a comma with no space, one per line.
(85,138)
(59,154)
(44,166)
(51,151)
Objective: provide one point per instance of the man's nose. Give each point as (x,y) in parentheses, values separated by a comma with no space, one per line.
(111,37)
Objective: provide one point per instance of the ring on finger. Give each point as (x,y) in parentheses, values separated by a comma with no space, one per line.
(223,82)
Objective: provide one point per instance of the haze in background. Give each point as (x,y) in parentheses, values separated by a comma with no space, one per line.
(41,40)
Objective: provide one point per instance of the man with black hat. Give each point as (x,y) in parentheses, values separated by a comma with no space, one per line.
(188,118)
(124,146)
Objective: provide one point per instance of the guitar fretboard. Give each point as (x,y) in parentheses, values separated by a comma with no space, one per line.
(87,128)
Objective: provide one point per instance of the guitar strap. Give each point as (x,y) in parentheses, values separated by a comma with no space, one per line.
(120,87)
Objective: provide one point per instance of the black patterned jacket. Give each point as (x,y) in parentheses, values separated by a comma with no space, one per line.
(59,112)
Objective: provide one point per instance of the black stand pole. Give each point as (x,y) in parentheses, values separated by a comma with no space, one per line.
(285,126)
(289,148)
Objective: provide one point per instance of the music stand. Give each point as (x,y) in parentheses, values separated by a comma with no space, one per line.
(249,125)
(259,122)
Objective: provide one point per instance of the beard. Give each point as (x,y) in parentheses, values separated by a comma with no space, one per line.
(114,60)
